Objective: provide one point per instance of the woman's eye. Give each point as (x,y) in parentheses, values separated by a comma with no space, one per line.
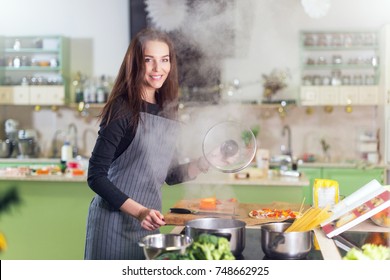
(165,60)
(148,60)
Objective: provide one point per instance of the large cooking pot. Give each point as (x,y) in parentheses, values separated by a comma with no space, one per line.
(284,245)
(232,230)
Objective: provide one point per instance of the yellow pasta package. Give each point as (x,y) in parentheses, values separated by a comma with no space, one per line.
(325,193)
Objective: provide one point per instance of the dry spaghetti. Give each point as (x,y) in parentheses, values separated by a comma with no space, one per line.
(309,220)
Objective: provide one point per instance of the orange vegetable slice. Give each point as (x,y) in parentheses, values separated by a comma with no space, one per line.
(209,203)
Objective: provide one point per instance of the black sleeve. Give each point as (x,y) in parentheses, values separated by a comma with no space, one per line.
(103,154)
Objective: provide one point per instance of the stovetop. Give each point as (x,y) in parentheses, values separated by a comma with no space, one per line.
(253,250)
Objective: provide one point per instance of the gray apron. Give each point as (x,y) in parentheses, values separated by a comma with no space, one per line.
(140,173)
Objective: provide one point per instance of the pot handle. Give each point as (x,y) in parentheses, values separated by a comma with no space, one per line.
(279,239)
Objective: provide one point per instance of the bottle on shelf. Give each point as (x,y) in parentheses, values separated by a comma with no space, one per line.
(66,154)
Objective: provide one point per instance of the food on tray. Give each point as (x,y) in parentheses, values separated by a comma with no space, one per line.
(309,220)
(267,213)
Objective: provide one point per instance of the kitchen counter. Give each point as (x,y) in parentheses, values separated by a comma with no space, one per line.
(30,160)
(215,177)
(335,164)
(46,178)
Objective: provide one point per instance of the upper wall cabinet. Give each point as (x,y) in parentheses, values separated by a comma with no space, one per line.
(34,70)
(339,68)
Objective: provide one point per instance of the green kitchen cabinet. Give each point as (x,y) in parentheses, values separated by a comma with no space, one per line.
(50,221)
(351,179)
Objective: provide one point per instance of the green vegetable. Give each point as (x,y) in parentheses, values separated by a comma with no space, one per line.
(172,256)
(369,252)
(205,247)
(210,247)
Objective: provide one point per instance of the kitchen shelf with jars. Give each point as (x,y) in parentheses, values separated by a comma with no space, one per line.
(34,70)
(339,68)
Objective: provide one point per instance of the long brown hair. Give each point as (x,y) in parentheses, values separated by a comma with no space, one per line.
(126,93)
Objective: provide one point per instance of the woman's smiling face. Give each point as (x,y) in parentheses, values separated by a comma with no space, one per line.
(157,65)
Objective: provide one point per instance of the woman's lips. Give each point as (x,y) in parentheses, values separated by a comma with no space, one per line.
(156,77)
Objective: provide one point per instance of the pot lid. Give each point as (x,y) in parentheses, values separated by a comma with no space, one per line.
(229,146)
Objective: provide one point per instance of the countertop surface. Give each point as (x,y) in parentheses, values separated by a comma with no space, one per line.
(212,177)
(49,178)
(215,177)
(236,210)
(343,164)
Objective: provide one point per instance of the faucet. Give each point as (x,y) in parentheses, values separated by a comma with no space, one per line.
(72,130)
(54,144)
(287,129)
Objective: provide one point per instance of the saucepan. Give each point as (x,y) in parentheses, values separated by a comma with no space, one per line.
(232,230)
(157,244)
(285,245)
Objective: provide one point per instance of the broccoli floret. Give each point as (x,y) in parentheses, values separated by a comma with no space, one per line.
(205,238)
(223,250)
(210,247)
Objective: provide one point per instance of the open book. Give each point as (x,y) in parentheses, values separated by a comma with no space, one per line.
(357,207)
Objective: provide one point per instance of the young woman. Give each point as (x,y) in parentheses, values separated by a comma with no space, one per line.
(134,153)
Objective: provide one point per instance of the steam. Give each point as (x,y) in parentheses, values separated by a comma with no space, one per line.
(213,30)
(160,13)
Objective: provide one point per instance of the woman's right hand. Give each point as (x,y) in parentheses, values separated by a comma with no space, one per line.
(150,219)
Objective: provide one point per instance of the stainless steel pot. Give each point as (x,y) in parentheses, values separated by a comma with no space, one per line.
(157,244)
(233,230)
(285,245)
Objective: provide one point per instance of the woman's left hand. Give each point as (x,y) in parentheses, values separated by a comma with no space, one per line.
(151,219)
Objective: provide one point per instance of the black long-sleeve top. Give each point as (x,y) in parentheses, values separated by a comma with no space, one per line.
(113,139)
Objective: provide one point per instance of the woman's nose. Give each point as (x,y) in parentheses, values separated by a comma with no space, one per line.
(156,66)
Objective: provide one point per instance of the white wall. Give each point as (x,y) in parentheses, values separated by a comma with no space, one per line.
(99,33)
(269,41)
(104,22)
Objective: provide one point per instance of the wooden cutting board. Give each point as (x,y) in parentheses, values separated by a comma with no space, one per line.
(242,209)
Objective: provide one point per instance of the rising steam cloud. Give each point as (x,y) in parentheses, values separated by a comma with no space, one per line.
(205,32)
